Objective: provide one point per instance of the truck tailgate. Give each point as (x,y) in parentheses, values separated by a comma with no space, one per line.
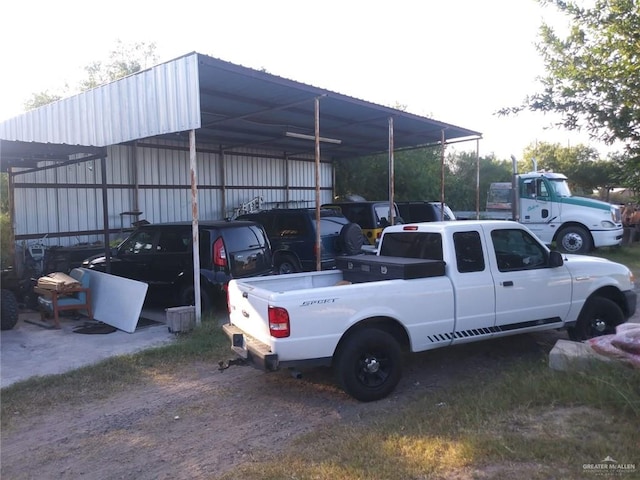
(249,311)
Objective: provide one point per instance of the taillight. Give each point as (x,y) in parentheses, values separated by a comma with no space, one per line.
(278,322)
(219,253)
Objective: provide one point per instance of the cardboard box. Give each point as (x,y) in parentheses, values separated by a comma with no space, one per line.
(57,281)
(181,319)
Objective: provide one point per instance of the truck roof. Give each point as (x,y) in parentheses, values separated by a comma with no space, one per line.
(452,225)
(551,175)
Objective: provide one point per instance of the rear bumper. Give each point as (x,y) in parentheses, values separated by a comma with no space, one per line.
(252,350)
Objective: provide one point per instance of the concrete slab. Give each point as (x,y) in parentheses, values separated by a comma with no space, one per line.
(30,350)
(573,356)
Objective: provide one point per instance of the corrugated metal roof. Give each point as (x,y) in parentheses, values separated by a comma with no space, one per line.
(242,107)
(229,105)
(152,102)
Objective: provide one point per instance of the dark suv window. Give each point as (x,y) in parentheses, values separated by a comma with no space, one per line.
(289,225)
(141,241)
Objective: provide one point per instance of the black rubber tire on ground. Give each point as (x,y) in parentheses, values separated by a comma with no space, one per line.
(287,264)
(368,365)
(188,297)
(9,310)
(574,239)
(351,239)
(599,316)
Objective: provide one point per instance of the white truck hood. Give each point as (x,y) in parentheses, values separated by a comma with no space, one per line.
(583,267)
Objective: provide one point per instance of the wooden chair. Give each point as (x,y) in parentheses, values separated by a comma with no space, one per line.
(73,298)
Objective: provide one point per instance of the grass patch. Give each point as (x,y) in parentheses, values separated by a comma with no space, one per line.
(206,343)
(527,422)
(628,255)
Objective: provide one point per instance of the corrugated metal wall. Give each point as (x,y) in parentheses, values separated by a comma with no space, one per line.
(153,178)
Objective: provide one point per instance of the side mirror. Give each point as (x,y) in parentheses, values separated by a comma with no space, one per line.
(555,259)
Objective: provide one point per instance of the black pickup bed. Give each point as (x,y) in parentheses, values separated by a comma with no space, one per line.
(372,268)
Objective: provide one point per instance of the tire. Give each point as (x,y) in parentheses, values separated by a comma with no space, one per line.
(368,365)
(9,310)
(351,239)
(287,264)
(574,239)
(599,316)
(188,297)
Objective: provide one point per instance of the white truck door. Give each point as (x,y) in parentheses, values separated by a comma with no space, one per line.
(537,208)
(474,288)
(528,293)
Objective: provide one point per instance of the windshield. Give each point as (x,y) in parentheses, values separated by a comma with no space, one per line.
(560,187)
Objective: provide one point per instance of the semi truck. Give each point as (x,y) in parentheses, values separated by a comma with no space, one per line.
(545,204)
(547,207)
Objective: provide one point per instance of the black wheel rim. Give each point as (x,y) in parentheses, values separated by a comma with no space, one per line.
(601,325)
(373,369)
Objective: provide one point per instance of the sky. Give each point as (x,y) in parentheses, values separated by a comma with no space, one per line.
(456,61)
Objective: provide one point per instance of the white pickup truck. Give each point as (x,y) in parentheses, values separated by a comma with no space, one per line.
(431,285)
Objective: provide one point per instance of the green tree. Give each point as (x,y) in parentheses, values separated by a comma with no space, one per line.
(461,179)
(124,59)
(416,174)
(593,74)
(41,98)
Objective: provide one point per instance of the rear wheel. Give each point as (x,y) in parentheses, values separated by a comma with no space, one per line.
(9,310)
(188,297)
(368,365)
(599,316)
(287,264)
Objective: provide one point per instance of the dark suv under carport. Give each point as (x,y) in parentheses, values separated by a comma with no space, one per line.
(292,232)
(161,256)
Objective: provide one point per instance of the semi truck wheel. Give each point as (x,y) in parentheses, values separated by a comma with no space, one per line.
(369,364)
(9,310)
(599,316)
(574,239)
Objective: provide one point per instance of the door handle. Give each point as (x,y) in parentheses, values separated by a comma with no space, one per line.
(508,283)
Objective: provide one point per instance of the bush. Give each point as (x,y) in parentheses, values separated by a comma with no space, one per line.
(5,241)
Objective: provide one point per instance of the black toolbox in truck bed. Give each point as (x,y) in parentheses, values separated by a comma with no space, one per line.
(371,268)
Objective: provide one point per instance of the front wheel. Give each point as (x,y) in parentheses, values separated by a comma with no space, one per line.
(10,313)
(368,365)
(574,239)
(599,316)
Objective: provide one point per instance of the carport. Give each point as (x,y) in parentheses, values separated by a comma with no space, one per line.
(197,99)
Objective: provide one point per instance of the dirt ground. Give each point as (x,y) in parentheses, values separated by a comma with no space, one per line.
(204,422)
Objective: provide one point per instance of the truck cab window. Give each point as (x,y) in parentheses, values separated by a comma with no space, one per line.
(517,250)
(469,256)
(427,246)
(542,188)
